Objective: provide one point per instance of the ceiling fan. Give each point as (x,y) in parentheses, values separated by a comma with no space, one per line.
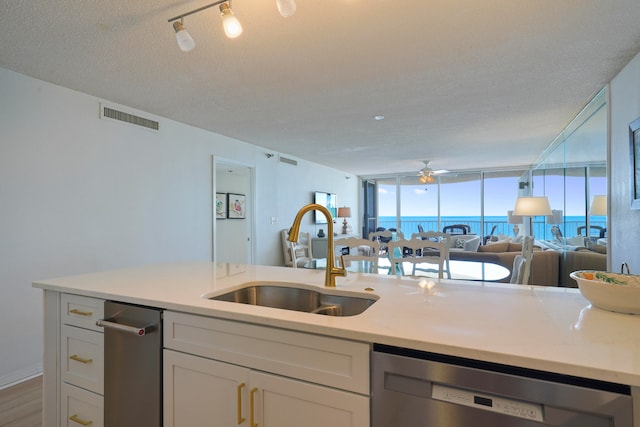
(427,174)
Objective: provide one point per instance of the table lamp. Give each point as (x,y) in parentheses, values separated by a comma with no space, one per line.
(532,206)
(345,213)
(555,219)
(515,220)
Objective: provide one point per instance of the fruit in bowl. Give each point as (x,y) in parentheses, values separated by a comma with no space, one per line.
(610,291)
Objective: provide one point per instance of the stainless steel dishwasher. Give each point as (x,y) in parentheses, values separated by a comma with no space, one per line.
(132,365)
(413,388)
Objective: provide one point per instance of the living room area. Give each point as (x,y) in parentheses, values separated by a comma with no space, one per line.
(571,175)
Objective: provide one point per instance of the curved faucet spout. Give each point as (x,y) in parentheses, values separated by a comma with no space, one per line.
(331,270)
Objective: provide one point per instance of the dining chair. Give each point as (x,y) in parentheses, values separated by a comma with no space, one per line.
(463,228)
(418,251)
(517,272)
(527,254)
(600,232)
(355,249)
(384,237)
(297,254)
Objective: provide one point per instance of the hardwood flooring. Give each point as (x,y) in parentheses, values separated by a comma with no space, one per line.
(21,405)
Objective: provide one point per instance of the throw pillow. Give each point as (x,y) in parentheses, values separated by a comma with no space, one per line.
(575,241)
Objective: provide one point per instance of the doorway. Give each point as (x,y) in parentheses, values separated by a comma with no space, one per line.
(233,212)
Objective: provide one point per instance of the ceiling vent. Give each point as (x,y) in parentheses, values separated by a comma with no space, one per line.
(110,113)
(288,161)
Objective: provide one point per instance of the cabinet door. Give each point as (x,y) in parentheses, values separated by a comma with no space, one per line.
(202,392)
(283,402)
(80,407)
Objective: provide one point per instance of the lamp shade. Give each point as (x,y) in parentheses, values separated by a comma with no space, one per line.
(555,217)
(532,206)
(344,212)
(598,206)
(513,219)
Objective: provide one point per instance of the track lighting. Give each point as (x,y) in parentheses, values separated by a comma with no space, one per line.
(286,7)
(230,23)
(185,41)
(232,27)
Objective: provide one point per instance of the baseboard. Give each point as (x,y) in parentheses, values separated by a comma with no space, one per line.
(20,376)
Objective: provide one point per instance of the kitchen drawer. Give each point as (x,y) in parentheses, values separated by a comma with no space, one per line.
(82,311)
(81,407)
(82,358)
(319,359)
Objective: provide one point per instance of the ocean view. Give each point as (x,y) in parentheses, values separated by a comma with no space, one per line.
(409,224)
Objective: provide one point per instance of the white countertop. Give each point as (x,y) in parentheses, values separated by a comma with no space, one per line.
(546,328)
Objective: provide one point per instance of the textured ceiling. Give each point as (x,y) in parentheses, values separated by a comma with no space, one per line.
(467,84)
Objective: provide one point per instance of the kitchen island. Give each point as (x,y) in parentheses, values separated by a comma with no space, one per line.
(542,328)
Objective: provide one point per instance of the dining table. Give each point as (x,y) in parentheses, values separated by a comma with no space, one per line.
(460,269)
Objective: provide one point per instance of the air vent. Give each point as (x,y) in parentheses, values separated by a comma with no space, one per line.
(109,113)
(288,161)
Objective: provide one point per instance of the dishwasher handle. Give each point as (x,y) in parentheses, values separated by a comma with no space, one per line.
(103,323)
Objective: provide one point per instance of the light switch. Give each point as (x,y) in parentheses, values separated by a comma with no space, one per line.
(274,220)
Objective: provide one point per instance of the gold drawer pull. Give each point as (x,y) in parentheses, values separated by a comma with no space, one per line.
(252,402)
(80,312)
(80,359)
(79,420)
(240,387)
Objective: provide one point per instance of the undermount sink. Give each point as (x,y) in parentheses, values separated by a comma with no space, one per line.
(297,297)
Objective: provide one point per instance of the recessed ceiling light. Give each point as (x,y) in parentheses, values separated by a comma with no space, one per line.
(378,117)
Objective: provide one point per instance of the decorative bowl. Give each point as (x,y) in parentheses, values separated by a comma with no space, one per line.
(610,291)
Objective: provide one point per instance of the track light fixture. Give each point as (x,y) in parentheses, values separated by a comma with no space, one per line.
(232,27)
(230,23)
(185,42)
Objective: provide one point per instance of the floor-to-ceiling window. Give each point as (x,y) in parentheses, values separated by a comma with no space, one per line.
(500,194)
(479,200)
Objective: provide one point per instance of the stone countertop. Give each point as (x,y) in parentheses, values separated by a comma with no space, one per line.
(545,328)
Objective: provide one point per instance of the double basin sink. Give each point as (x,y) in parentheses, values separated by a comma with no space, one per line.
(297,297)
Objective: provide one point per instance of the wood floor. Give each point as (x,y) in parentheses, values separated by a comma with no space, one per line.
(21,405)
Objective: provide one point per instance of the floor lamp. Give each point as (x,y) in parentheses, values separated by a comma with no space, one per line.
(532,206)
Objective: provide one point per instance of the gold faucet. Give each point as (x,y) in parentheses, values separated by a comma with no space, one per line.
(331,271)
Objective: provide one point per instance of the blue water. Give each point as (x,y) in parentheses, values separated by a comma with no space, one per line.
(541,229)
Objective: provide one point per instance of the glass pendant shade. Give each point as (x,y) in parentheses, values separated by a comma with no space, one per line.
(230,23)
(185,41)
(286,7)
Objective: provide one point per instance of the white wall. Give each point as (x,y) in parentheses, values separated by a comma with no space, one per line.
(624,230)
(79,194)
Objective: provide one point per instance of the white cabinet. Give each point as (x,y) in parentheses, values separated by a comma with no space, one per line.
(81,363)
(248,375)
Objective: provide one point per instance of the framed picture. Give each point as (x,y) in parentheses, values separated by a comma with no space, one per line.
(221,205)
(634,149)
(236,206)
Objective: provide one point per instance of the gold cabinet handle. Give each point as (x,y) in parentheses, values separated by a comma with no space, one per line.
(80,312)
(252,402)
(240,387)
(79,420)
(80,359)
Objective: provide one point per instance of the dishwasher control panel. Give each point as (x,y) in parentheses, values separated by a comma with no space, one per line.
(515,408)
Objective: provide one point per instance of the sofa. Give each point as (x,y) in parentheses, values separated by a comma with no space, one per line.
(581,259)
(545,267)
(549,267)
